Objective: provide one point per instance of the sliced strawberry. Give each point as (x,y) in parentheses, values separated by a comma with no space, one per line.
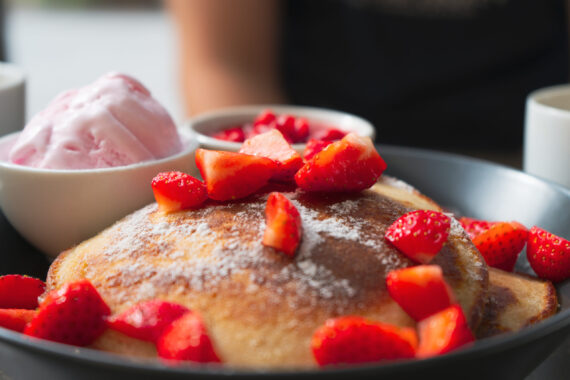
(286,125)
(265,117)
(74,314)
(147,320)
(475,227)
(354,339)
(330,134)
(302,130)
(20,292)
(230,175)
(548,255)
(187,339)
(351,164)
(442,332)
(16,319)
(313,147)
(501,244)
(284,230)
(273,145)
(419,234)
(234,134)
(421,290)
(175,191)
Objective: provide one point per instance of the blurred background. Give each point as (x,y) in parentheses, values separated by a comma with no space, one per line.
(64,44)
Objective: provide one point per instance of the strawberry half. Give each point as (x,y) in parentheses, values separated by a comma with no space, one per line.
(421,290)
(330,134)
(74,314)
(313,147)
(419,234)
(351,164)
(442,332)
(475,227)
(20,292)
(501,244)
(187,339)
(353,339)
(147,320)
(175,191)
(230,175)
(283,230)
(16,319)
(273,145)
(548,255)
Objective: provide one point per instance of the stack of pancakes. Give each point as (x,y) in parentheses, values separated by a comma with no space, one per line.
(261,307)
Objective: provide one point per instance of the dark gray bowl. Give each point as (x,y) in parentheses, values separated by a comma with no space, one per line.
(467,186)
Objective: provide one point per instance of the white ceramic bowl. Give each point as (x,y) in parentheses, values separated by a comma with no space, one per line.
(56,209)
(207,123)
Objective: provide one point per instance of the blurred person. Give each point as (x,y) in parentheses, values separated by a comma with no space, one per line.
(446,74)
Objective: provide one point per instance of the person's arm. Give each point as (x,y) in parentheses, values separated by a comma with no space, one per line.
(228,52)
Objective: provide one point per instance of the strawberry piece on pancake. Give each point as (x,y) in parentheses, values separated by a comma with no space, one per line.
(501,244)
(548,255)
(175,191)
(283,229)
(20,292)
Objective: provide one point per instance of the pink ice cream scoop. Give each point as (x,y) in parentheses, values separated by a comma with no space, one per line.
(112,122)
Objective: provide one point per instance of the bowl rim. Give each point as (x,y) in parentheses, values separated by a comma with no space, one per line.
(487,346)
(254,109)
(189,145)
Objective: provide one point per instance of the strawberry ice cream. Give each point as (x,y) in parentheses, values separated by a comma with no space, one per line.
(112,122)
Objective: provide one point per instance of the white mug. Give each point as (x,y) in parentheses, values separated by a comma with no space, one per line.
(12,98)
(547,134)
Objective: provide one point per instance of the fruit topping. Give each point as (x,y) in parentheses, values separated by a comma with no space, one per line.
(421,290)
(548,255)
(475,227)
(175,191)
(351,164)
(20,292)
(419,234)
(147,320)
(330,134)
(353,339)
(283,229)
(273,145)
(74,314)
(266,117)
(313,147)
(234,134)
(187,339)
(442,332)
(16,319)
(230,175)
(501,244)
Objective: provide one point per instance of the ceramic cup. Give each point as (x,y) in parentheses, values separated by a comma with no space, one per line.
(12,98)
(547,134)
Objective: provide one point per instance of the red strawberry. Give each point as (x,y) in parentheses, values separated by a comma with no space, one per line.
(475,227)
(313,147)
(301,130)
(74,314)
(230,175)
(286,125)
(20,292)
(353,339)
(147,320)
(351,164)
(330,134)
(234,134)
(273,145)
(283,231)
(421,290)
(16,319)
(442,332)
(419,234)
(175,191)
(187,339)
(548,255)
(501,244)
(266,117)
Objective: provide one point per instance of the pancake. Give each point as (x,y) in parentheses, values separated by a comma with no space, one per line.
(261,308)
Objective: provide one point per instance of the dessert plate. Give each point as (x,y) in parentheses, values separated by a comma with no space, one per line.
(466,186)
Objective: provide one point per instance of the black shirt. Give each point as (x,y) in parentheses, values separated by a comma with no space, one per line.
(436,73)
